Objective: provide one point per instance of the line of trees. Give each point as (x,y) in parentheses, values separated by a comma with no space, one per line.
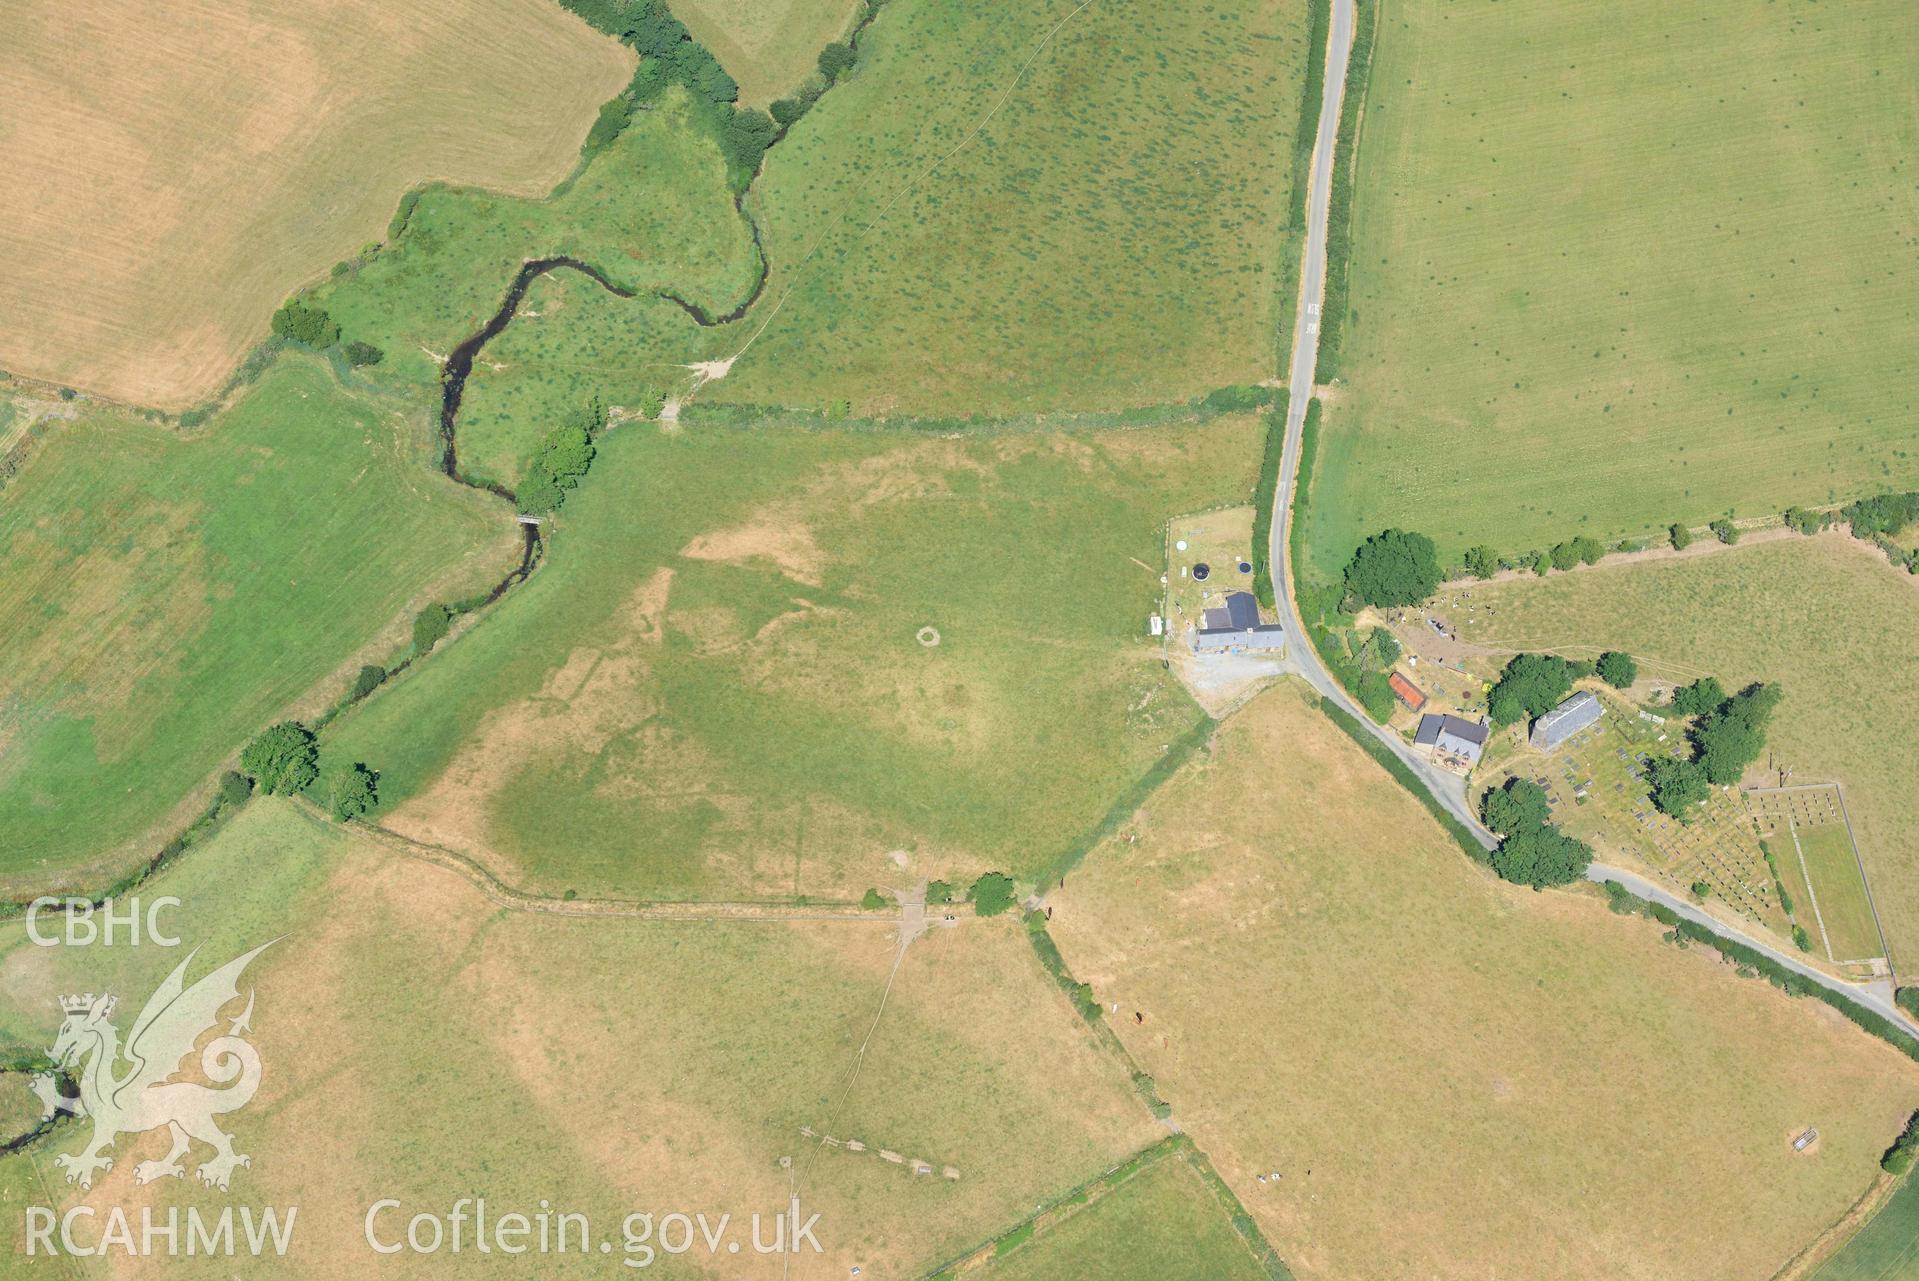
(284,760)
(1752,962)
(1530,685)
(1871,519)
(300,321)
(1482,561)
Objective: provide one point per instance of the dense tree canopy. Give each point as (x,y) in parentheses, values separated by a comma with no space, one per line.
(836,60)
(305,323)
(1394,568)
(1733,736)
(1533,851)
(1482,562)
(991,894)
(355,792)
(1728,736)
(1385,647)
(283,760)
(1617,669)
(1698,698)
(1531,685)
(1574,551)
(429,626)
(561,460)
(1886,514)
(1519,805)
(1806,521)
(1542,856)
(1677,785)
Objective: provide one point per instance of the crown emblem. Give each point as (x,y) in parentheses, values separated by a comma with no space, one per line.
(79,1004)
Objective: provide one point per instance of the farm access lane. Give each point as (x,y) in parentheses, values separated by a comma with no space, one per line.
(1447,788)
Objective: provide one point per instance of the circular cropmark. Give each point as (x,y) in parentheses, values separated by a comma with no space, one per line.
(928,636)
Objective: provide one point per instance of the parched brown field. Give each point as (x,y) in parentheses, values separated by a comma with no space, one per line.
(421,1043)
(769,46)
(1826,617)
(1455,1077)
(168,173)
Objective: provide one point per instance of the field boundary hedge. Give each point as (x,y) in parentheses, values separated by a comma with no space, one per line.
(1177,1147)
(1407,779)
(1197,409)
(1265,495)
(1177,754)
(1319,28)
(1791,982)
(1339,209)
(209,821)
(1303,490)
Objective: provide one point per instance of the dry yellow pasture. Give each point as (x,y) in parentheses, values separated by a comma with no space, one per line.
(423,1043)
(1455,1077)
(769,46)
(169,173)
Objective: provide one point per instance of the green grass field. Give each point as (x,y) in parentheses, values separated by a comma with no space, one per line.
(466,1042)
(1843,906)
(1114,234)
(1162,1223)
(722,681)
(1656,268)
(769,46)
(174,595)
(570,341)
(1812,614)
(1886,1249)
(652,211)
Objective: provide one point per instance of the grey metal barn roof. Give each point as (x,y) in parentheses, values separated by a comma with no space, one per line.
(1267,636)
(1565,720)
(1242,609)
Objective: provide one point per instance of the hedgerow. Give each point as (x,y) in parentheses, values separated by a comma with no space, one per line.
(1265,491)
(1339,214)
(1791,982)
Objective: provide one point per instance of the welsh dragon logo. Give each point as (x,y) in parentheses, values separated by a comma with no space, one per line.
(129,1089)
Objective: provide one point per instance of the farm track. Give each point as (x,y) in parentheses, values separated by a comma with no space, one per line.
(1447,789)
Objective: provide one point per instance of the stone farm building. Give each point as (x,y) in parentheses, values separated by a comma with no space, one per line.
(1565,720)
(1452,736)
(1236,626)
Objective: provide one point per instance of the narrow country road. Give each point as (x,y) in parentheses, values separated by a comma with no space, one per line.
(1447,788)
